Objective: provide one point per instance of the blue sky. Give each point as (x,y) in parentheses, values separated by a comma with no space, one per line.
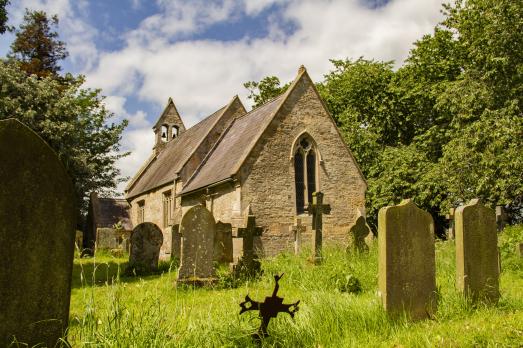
(200,52)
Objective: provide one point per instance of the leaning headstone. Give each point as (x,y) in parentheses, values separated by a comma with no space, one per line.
(477,267)
(358,233)
(407,271)
(146,240)
(223,243)
(316,208)
(37,235)
(198,230)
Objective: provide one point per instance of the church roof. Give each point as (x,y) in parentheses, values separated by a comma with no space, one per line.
(234,146)
(110,211)
(165,166)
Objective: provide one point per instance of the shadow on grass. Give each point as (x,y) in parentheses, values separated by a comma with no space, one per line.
(92,272)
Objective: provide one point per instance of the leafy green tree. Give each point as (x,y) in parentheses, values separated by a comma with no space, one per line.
(72,120)
(36,46)
(3,16)
(265,90)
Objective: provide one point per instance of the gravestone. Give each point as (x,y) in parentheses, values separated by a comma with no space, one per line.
(198,230)
(298,230)
(477,267)
(407,272)
(223,243)
(146,240)
(501,217)
(451,233)
(520,249)
(317,209)
(249,265)
(358,233)
(37,235)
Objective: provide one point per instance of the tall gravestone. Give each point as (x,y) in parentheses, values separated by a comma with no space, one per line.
(176,242)
(198,230)
(407,271)
(37,235)
(477,268)
(146,241)
(223,243)
(316,208)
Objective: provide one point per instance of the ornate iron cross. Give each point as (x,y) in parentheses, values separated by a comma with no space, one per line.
(317,209)
(269,308)
(248,235)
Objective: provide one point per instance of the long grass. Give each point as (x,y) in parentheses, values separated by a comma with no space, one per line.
(108,310)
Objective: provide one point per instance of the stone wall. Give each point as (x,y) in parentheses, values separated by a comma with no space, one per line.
(268,175)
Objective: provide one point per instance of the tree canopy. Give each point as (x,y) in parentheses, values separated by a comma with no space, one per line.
(36,46)
(446,126)
(3,16)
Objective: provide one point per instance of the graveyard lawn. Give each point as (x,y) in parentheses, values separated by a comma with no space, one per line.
(107,310)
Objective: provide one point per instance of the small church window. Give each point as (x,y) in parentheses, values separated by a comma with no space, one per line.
(141,212)
(304,173)
(174,131)
(167,209)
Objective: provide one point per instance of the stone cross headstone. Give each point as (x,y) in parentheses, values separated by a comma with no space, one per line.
(37,235)
(146,241)
(477,267)
(358,232)
(176,242)
(317,209)
(450,218)
(248,233)
(407,271)
(198,230)
(223,243)
(298,229)
(501,218)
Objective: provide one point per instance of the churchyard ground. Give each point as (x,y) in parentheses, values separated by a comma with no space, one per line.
(112,311)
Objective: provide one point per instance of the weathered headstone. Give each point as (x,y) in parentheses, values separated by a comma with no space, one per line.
(477,268)
(249,263)
(317,209)
(223,243)
(198,230)
(298,230)
(407,271)
(37,235)
(501,217)
(146,240)
(358,232)
(520,249)
(450,218)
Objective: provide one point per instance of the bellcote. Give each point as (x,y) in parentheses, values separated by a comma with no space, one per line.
(168,127)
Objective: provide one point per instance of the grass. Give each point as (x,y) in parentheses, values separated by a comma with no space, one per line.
(108,310)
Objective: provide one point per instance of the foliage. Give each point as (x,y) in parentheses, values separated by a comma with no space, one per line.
(265,90)
(36,46)
(72,120)
(3,16)
(149,311)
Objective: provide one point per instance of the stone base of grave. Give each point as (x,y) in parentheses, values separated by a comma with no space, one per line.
(194,281)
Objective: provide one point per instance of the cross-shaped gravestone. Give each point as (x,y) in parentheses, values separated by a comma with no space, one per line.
(248,233)
(298,229)
(317,209)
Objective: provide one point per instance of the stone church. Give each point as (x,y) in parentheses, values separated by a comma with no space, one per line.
(269,160)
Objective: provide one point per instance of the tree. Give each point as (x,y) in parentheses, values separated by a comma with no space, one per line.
(72,120)
(265,90)
(3,16)
(36,46)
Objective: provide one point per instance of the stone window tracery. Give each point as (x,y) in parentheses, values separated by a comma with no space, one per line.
(305,169)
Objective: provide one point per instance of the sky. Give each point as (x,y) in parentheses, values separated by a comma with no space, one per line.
(200,52)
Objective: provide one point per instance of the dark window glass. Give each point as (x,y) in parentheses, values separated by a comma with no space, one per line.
(311,174)
(299,181)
